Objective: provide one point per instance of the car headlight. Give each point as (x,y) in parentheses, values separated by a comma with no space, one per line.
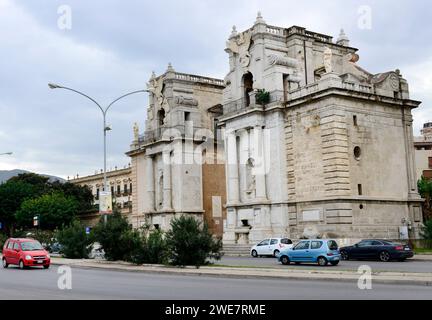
(28,257)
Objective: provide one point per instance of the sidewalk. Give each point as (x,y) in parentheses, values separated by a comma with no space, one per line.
(328,274)
(422,257)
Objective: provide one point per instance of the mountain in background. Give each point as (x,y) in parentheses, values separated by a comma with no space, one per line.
(7,174)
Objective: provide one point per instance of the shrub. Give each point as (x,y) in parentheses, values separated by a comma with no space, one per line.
(426,232)
(142,249)
(135,247)
(3,238)
(156,246)
(190,243)
(116,237)
(75,242)
(262,96)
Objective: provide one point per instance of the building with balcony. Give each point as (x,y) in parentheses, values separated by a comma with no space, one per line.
(177,163)
(328,154)
(423,152)
(120,184)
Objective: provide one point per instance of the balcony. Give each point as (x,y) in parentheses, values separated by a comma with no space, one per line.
(169,133)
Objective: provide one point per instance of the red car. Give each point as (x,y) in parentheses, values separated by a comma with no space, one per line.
(25,253)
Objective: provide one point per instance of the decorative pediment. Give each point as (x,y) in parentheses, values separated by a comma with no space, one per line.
(388,79)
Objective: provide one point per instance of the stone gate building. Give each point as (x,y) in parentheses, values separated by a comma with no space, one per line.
(329,154)
(177,164)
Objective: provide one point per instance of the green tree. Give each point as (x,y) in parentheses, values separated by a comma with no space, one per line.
(76,243)
(82,194)
(425,189)
(12,195)
(426,232)
(54,211)
(190,243)
(40,183)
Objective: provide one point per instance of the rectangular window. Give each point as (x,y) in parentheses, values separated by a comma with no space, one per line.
(430,162)
(97,193)
(187,116)
(112,190)
(130,188)
(355,120)
(360,189)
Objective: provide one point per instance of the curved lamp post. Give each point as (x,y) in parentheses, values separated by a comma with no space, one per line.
(104,112)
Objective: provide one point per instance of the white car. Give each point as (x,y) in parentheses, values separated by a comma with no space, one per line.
(270,247)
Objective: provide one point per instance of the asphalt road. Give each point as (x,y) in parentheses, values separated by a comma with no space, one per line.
(107,284)
(406,266)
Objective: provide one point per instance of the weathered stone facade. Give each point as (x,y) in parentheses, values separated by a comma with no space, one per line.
(330,153)
(178,153)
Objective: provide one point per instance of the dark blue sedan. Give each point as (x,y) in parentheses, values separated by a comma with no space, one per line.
(373,249)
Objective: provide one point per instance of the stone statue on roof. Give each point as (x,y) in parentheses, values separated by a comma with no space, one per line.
(327,60)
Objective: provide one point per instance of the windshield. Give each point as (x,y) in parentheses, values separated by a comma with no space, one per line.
(31,246)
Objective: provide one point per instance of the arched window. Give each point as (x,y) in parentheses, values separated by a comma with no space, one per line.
(247,86)
(161,117)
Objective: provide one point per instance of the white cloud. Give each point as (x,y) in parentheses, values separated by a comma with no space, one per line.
(419,77)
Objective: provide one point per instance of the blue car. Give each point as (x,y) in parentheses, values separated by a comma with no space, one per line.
(321,251)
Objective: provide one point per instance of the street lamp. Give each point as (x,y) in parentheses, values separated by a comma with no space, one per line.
(104,112)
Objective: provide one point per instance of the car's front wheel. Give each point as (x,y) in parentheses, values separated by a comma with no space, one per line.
(384,256)
(275,253)
(322,261)
(285,260)
(254,254)
(5,264)
(21,265)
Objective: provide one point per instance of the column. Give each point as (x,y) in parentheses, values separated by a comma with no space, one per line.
(232,168)
(245,175)
(150,184)
(260,167)
(411,159)
(166,159)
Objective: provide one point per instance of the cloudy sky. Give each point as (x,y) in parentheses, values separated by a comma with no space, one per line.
(113,45)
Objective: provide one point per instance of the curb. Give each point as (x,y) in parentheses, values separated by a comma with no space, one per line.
(240,273)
